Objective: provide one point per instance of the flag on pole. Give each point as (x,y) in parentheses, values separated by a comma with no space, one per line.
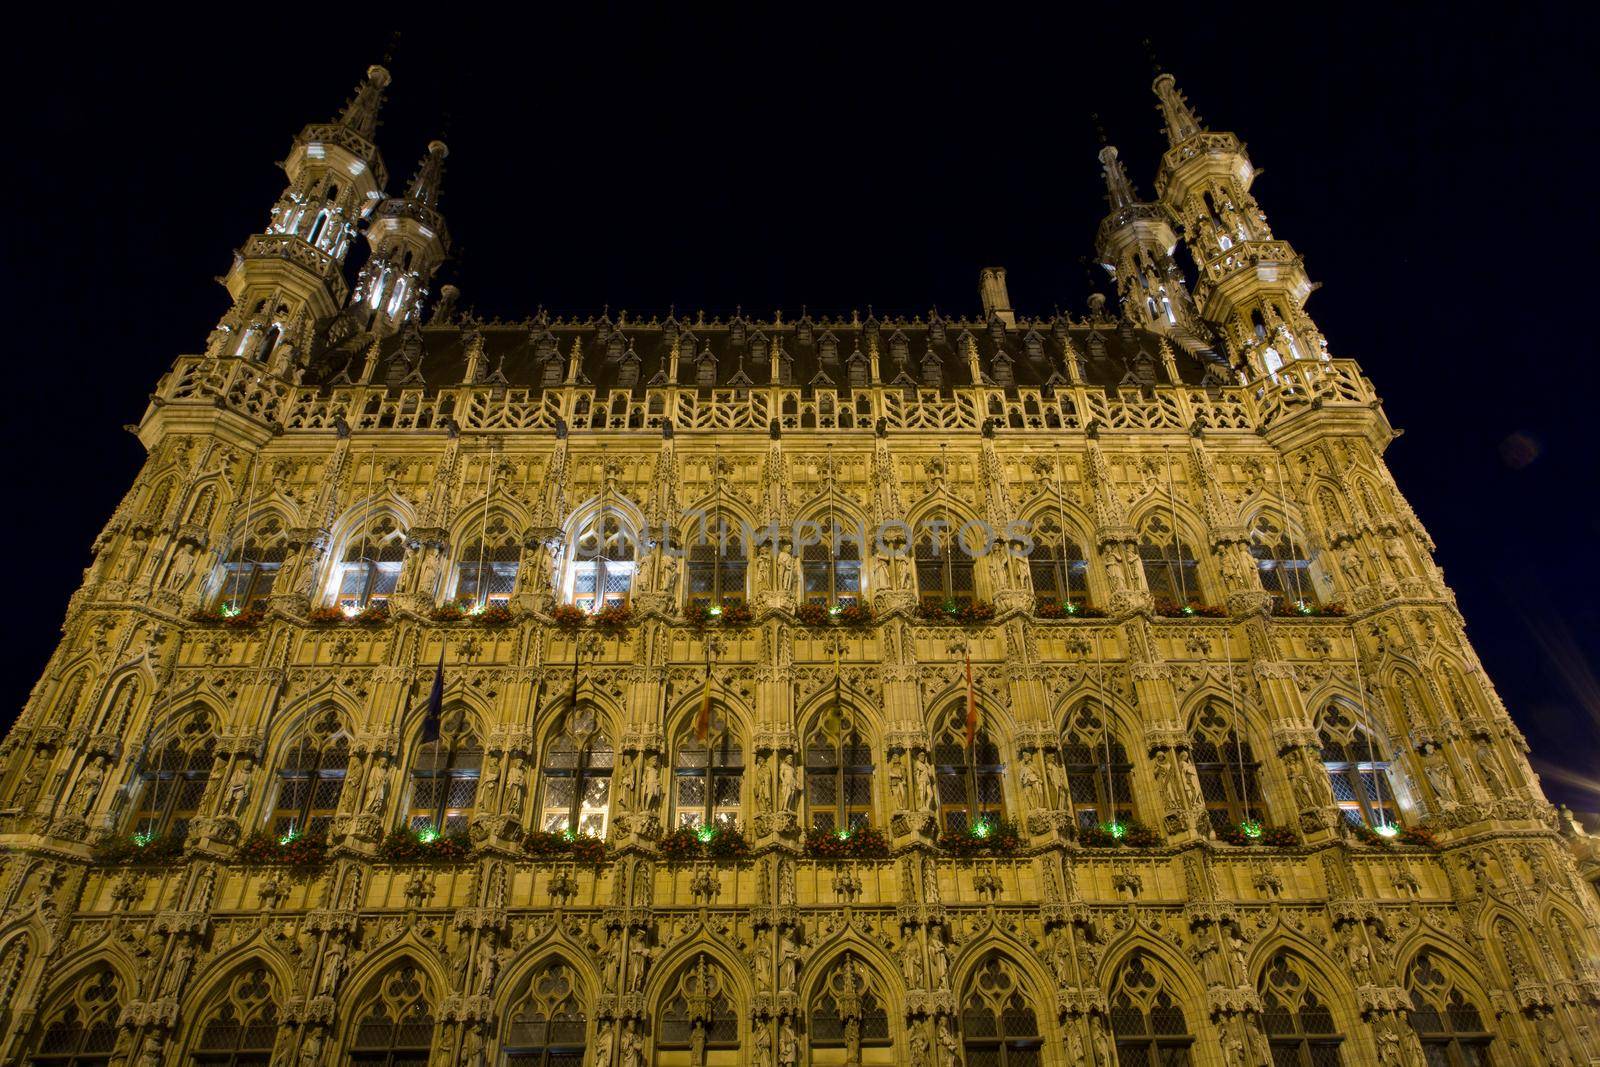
(702,721)
(972,705)
(430,721)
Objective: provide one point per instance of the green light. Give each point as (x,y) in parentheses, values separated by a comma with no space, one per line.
(143,838)
(714,611)
(288,837)
(843,835)
(980,830)
(705,834)
(1302,607)
(1188,609)
(1072,609)
(228,611)
(1389,830)
(568,835)
(1115,829)
(427,835)
(834,610)
(1250,828)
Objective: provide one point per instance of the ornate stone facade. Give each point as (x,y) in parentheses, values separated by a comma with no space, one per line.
(1190,761)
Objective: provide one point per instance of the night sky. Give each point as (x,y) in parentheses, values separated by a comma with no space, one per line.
(1436,175)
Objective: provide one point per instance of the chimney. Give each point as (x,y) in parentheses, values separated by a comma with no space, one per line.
(996,301)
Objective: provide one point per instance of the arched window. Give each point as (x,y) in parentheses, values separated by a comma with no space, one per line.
(944,568)
(708,774)
(547,1023)
(1357,770)
(998,1024)
(699,1011)
(602,564)
(1059,568)
(578,761)
(82,1030)
(1170,568)
(311,778)
(968,777)
(486,571)
(849,1011)
(371,567)
(1284,566)
(444,777)
(1227,769)
(1146,1018)
(1099,773)
(831,568)
(1447,1022)
(242,1026)
(395,1025)
(1300,1029)
(717,565)
(249,572)
(174,779)
(838,772)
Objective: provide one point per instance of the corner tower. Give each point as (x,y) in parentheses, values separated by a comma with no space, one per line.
(409,243)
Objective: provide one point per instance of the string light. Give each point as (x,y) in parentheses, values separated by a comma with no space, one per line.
(427,835)
(705,834)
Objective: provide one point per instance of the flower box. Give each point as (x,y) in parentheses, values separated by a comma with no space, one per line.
(238,620)
(993,837)
(862,843)
(812,615)
(327,616)
(1192,610)
(139,851)
(1067,611)
(447,613)
(853,615)
(1122,835)
(406,845)
(1256,834)
(495,617)
(1306,610)
(546,844)
(569,617)
(970,614)
(298,851)
(373,615)
(614,617)
(736,614)
(688,843)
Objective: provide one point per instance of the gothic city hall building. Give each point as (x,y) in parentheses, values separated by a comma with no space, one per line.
(992,690)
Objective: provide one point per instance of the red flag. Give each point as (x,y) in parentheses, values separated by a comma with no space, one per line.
(972,705)
(702,721)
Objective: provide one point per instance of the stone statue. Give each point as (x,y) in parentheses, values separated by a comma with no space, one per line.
(238,789)
(1032,787)
(641,955)
(897,784)
(87,793)
(789,783)
(763,784)
(1056,771)
(632,1046)
(763,1042)
(788,962)
(919,1048)
(377,790)
(1438,775)
(1489,768)
(516,789)
(650,787)
(926,789)
(788,572)
(669,576)
(1191,780)
(611,968)
(911,962)
(788,1045)
(949,1047)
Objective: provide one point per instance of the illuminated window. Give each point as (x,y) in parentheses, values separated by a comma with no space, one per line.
(968,779)
(1284,566)
(444,777)
(603,565)
(838,772)
(578,762)
(1356,769)
(250,571)
(1099,773)
(311,779)
(832,573)
(174,779)
(1227,769)
(486,572)
(944,569)
(717,565)
(1059,568)
(708,775)
(370,570)
(1170,568)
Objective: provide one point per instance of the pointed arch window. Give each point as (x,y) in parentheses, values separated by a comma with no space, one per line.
(395,1027)
(174,780)
(1099,772)
(578,763)
(444,777)
(699,1014)
(708,774)
(998,1023)
(242,1029)
(547,1024)
(486,571)
(602,564)
(1356,770)
(838,772)
(849,1011)
(81,1031)
(1447,1023)
(717,565)
(370,570)
(1299,1026)
(1147,1021)
(1170,568)
(944,568)
(1284,567)
(831,568)
(1059,567)
(249,573)
(312,779)
(968,778)
(1228,770)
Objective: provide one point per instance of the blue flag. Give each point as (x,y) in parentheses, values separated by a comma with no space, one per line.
(430,721)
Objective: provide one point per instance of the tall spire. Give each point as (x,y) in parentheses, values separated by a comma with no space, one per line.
(1119,187)
(1182,122)
(426,186)
(361,112)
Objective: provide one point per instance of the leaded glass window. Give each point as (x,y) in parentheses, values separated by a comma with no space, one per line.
(967,777)
(578,763)
(394,1027)
(242,1026)
(838,772)
(1357,771)
(82,1030)
(1170,568)
(1058,566)
(444,777)
(708,774)
(1284,566)
(602,565)
(1227,768)
(370,570)
(999,1026)
(1448,1024)
(1099,772)
(944,569)
(1147,1019)
(312,778)
(547,1023)
(249,572)
(174,779)
(486,571)
(1300,1028)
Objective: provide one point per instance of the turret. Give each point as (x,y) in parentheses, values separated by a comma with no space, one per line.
(290,275)
(1252,286)
(409,243)
(1134,244)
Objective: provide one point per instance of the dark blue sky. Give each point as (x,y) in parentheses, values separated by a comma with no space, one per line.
(1435,172)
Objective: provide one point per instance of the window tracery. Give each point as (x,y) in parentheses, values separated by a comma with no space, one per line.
(1227,768)
(603,563)
(838,771)
(708,773)
(717,566)
(1058,566)
(849,1010)
(1447,1022)
(311,778)
(82,1030)
(1357,771)
(1147,1020)
(1300,1028)
(370,570)
(394,1027)
(1171,570)
(242,1025)
(547,1022)
(1284,566)
(578,764)
(968,777)
(830,569)
(174,778)
(444,776)
(998,1023)
(944,568)
(250,571)
(698,1014)
(486,569)
(1099,772)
